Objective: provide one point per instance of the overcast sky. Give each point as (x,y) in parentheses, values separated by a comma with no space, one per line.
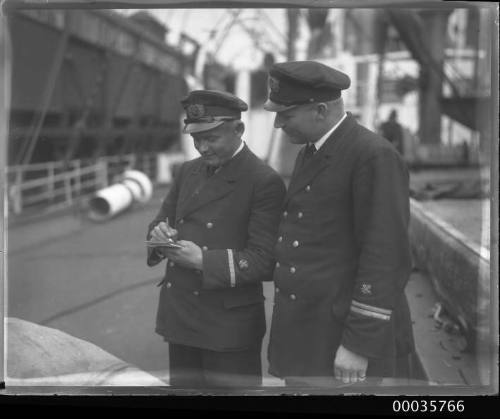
(241,42)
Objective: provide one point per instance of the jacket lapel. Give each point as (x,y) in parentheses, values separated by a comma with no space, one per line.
(191,185)
(201,190)
(304,175)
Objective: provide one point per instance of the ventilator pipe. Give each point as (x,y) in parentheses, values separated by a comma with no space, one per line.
(145,185)
(107,202)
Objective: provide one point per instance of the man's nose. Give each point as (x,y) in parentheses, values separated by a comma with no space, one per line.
(202,147)
(277,122)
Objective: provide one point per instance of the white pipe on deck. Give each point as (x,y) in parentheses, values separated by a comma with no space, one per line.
(107,202)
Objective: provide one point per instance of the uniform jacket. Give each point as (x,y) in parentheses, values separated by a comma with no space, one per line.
(233,216)
(342,257)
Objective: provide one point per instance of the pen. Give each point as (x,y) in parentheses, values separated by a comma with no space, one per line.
(168,228)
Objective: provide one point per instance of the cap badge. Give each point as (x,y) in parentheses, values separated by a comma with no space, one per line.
(195,111)
(366,288)
(274,84)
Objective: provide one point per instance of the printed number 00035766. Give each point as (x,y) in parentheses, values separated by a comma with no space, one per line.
(428,406)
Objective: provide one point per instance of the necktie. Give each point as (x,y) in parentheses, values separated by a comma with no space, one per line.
(310,150)
(211,170)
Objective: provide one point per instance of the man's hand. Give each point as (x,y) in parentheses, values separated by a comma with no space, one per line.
(189,255)
(163,233)
(348,366)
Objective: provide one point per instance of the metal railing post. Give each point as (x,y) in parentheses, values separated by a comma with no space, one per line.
(67,188)
(50,180)
(17,191)
(103,172)
(77,177)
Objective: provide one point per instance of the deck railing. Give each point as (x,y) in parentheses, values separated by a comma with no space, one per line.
(55,185)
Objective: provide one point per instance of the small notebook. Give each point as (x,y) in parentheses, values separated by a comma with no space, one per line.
(170,244)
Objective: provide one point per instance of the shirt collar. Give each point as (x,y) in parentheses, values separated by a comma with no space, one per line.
(239,148)
(322,140)
(235,153)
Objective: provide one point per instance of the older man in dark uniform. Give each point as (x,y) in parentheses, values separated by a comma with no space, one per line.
(223,211)
(342,252)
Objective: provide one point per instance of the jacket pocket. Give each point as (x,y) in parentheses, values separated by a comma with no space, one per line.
(240,300)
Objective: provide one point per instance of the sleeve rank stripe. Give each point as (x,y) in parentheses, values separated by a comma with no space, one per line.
(370,313)
(371,308)
(231,268)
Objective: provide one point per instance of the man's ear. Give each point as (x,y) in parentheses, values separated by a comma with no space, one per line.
(322,109)
(239,128)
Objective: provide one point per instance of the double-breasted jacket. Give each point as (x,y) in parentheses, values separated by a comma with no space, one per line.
(343,257)
(233,216)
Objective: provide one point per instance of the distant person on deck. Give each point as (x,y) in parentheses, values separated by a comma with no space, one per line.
(393,131)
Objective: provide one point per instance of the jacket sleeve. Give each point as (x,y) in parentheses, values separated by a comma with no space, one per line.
(224,268)
(381,217)
(167,209)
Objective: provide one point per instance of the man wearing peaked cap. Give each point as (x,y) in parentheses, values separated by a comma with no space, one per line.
(301,82)
(207,109)
(222,209)
(343,258)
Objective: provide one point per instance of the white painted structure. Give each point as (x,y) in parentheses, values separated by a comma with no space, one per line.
(108,202)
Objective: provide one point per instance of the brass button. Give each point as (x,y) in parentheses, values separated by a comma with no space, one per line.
(285,213)
(295,243)
(204,248)
(181,221)
(210,225)
(308,188)
(293,270)
(293,297)
(169,284)
(196,293)
(280,239)
(171,264)
(277,290)
(278,264)
(300,214)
